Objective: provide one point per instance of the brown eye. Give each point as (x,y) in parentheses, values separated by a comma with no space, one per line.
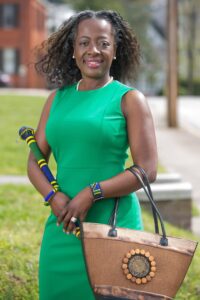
(83,43)
(104,44)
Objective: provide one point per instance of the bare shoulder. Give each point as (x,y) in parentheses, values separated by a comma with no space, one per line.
(50,100)
(134,102)
(45,112)
(52,94)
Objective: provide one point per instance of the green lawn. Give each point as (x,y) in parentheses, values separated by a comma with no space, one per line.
(22,215)
(16,111)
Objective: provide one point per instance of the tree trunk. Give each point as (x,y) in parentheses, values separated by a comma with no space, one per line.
(191,48)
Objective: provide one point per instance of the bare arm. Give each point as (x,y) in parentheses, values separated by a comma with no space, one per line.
(35,175)
(142,141)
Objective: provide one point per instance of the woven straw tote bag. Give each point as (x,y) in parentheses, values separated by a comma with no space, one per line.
(129,264)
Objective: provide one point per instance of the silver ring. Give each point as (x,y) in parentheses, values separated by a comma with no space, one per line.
(73,219)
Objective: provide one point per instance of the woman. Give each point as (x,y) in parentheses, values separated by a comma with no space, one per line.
(88,124)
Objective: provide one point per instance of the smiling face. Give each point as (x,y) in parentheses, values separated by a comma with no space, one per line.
(94,48)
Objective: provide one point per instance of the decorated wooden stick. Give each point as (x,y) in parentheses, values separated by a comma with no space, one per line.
(28,134)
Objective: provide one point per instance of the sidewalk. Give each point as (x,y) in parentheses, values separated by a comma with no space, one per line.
(179,148)
(30,92)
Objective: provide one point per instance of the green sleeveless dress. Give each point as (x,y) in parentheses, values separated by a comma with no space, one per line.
(86,131)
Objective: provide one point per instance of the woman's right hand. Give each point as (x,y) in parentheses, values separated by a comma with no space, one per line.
(58,202)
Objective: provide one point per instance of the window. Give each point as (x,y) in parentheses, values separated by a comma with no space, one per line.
(9,61)
(9,15)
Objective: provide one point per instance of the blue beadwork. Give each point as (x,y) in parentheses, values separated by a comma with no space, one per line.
(96,191)
(50,194)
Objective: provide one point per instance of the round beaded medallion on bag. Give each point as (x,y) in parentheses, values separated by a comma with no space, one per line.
(139,266)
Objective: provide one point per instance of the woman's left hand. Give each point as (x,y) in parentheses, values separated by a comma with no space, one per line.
(77,208)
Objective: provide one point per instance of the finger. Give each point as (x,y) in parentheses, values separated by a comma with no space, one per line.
(72,224)
(62,215)
(82,216)
(66,221)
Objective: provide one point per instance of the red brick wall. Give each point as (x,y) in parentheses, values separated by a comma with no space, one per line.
(25,37)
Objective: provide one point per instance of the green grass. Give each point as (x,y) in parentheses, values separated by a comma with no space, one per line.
(22,217)
(195,210)
(16,111)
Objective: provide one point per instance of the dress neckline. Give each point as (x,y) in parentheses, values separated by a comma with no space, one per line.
(111,80)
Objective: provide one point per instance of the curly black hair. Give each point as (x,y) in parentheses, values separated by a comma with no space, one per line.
(55,54)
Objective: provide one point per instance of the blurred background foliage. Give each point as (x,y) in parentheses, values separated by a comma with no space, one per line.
(148,18)
(189,46)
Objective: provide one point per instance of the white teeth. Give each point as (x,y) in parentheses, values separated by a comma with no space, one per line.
(93,63)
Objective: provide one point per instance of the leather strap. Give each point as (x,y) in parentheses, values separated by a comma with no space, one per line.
(147,184)
(113,231)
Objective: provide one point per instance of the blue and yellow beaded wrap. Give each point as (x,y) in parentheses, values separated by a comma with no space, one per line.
(28,134)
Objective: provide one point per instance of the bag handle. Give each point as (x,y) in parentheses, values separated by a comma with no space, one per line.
(113,231)
(147,184)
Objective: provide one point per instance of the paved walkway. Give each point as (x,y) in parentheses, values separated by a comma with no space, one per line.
(29,92)
(179,148)
(14,179)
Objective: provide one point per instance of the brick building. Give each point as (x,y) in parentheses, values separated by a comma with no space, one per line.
(22,27)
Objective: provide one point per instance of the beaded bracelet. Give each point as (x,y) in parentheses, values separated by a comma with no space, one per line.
(49,196)
(96,191)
